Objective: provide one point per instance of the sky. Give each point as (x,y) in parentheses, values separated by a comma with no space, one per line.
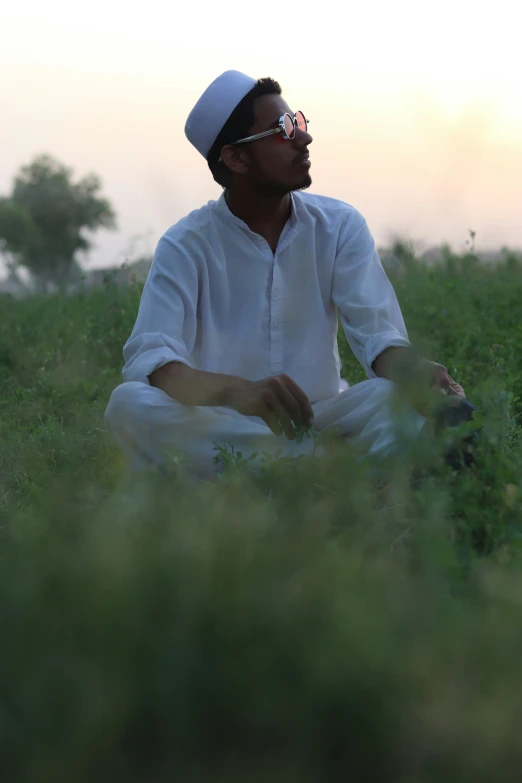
(415,108)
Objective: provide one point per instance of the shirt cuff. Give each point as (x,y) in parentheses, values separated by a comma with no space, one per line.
(139,368)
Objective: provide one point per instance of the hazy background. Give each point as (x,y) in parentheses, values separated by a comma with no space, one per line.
(415,109)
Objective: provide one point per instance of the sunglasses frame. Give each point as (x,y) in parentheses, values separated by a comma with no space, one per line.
(280,129)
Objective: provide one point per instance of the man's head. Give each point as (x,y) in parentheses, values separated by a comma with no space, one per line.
(273,164)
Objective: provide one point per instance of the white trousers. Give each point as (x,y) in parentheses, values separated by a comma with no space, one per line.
(150,426)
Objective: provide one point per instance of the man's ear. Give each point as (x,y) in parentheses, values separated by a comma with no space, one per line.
(235,158)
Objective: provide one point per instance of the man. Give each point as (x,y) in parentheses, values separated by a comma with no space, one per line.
(236,334)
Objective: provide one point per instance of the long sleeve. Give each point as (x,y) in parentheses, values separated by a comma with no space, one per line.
(364,297)
(166,325)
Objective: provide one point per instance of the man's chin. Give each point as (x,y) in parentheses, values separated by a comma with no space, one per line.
(305,183)
(281,188)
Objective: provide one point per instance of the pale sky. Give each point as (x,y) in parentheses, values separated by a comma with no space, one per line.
(415,108)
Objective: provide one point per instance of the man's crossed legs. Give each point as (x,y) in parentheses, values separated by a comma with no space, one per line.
(150,426)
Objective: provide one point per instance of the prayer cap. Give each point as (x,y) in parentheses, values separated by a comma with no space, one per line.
(215,106)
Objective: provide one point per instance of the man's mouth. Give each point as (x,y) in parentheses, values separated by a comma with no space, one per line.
(304,160)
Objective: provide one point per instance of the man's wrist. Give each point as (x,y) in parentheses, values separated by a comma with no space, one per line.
(230,391)
(397,363)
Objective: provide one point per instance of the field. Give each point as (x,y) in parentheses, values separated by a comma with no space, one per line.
(295,626)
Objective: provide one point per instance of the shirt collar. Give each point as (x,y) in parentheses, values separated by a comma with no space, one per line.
(221,207)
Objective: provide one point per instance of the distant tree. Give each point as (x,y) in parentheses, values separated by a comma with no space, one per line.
(42,222)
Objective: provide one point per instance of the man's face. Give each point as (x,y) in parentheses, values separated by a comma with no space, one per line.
(275,163)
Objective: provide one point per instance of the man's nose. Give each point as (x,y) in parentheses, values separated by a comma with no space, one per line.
(302,137)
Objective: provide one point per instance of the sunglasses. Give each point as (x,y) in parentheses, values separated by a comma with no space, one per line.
(286,126)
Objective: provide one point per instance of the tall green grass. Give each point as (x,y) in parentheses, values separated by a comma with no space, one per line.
(297,625)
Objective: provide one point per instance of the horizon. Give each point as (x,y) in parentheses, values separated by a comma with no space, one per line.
(412,123)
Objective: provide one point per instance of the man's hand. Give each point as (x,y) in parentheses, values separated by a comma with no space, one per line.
(417,377)
(404,366)
(441,379)
(278,400)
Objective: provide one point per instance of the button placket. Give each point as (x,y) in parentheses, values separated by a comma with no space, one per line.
(276,325)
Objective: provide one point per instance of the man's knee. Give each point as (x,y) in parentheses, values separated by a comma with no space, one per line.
(123,404)
(382,388)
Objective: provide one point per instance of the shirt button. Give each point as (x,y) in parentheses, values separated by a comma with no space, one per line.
(275,324)
(275,292)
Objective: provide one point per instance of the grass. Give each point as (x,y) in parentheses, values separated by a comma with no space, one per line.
(292,626)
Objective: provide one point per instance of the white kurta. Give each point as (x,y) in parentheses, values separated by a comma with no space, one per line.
(218,299)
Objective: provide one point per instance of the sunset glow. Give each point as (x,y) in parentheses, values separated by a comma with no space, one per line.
(416,111)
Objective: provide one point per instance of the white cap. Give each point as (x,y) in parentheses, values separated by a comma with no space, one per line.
(215,106)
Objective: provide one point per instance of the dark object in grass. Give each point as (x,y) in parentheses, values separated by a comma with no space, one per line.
(450,413)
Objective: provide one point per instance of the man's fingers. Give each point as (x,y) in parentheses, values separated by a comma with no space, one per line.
(446,384)
(291,405)
(442,380)
(271,419)
(283,418)
(302,399)
(445,381)
(441,377)
(455,388)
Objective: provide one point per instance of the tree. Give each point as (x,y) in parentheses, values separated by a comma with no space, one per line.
(42,222)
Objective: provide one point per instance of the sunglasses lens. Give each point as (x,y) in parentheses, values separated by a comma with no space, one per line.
(289,126)
(301,121)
